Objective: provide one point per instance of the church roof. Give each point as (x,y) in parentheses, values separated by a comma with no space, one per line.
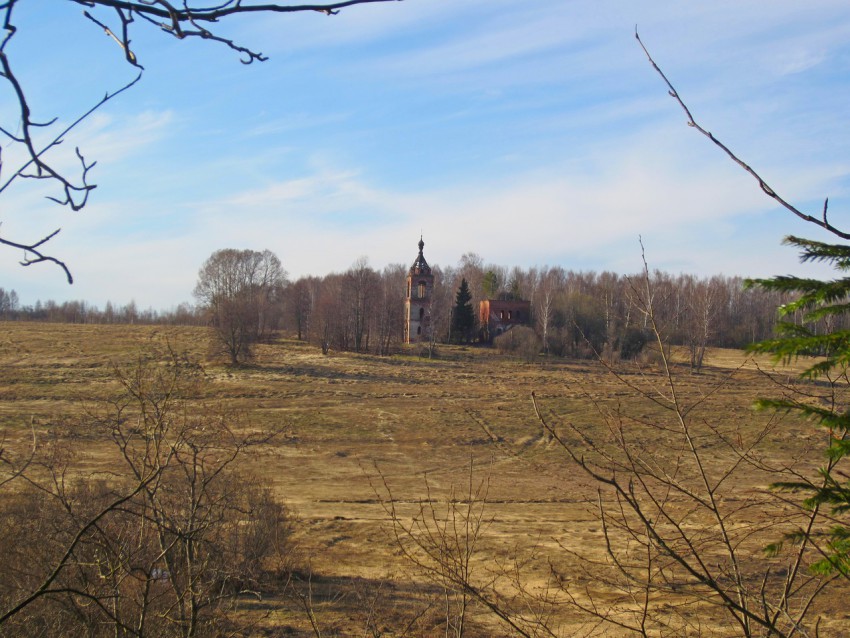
(420,266)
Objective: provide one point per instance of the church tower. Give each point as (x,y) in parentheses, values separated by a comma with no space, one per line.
(417,301)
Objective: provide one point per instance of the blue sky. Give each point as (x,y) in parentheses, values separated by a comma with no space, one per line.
(531,133)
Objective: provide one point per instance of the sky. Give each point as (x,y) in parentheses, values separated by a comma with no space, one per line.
(530,133)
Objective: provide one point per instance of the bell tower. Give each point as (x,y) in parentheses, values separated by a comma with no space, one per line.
(417,301)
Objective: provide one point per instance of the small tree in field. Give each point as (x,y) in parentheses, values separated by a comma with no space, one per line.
(241,292)
(463,317)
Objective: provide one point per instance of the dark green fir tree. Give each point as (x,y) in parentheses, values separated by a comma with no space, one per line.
(822,310)
(463,317)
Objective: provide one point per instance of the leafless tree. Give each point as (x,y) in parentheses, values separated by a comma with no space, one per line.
(32,141)
(360,309)
(360,290)
(329,321)
(441,540)
(680,524)
(241,291)
(442,303)
(390,318)
(8,302)
(549,282)
(704,307)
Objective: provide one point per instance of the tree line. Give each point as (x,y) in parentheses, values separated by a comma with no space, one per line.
(573,313)
(79,311)
(247,296)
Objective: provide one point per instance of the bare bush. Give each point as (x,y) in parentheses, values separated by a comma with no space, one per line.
(686,516)
(442,541)
(519,340)
(163,543)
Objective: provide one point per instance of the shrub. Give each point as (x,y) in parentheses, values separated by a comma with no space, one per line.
(520,340)
(161,545)
(632,342)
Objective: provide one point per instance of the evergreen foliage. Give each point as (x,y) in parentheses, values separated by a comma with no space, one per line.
(463,317)
(514,289)
(633,341)
(818,300)
(490,284)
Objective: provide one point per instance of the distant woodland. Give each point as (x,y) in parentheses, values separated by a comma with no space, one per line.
(575,314)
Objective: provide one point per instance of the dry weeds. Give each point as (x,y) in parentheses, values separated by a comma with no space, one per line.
(344,417)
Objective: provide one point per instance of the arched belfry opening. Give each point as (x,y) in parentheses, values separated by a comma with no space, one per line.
(417,301)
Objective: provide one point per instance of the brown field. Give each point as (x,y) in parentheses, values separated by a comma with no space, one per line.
(346,420)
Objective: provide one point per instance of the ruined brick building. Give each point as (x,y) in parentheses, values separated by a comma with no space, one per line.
(495,315)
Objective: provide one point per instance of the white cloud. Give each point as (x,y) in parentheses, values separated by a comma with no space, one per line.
(102,137)
(561,157)
(324,221)
(689,211)
(109,138)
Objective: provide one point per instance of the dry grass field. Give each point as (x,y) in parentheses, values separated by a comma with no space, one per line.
(350,426)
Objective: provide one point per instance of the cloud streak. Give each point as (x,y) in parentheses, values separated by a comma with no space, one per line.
(531,133)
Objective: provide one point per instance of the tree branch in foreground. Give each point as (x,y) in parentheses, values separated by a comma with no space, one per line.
(182,21)
(823,221)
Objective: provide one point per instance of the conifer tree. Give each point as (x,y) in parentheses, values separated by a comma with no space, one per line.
(818,301)
(463,318)
(490,284)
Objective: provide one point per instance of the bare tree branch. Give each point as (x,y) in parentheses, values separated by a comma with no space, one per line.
(183,20)
(821,221)
(37,255)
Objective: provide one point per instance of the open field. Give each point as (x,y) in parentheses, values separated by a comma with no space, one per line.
(349,423)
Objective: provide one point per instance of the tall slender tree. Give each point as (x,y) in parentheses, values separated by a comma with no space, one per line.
(463,317)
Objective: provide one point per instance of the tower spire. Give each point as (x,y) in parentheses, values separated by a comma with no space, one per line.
(420,266)
(417,303)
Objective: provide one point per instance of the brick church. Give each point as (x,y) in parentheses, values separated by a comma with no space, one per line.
(417,301)
(495,315)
